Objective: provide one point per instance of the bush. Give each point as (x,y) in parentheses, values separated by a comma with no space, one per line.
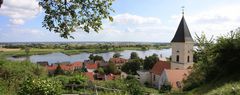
(227,89)
(40,87)
(166,87)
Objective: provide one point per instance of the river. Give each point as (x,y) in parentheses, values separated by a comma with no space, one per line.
(60,57)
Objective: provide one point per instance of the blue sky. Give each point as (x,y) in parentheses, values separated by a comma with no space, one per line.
(134,20)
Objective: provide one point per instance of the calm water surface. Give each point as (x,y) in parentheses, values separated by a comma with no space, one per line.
(60,57)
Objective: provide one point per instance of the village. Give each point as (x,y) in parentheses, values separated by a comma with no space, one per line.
(163,72)
(119,47)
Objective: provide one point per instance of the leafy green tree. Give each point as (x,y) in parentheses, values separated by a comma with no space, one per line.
(98,58)
(201,67)
(59,70)
(95,58)
(100,70)
(217,61)
(150,61)
(40,87)
(91,57)
(134,87)
(111,68)
(14,73)
(65,16)
(134,55)
(117,55)
(132,66)
(1,2)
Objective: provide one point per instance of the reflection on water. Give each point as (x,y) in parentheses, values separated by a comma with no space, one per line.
(60,57)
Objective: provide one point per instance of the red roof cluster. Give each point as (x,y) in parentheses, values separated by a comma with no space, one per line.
(159,67)
(66,67)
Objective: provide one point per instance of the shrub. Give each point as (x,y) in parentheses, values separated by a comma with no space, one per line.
(166,87)
(40,87)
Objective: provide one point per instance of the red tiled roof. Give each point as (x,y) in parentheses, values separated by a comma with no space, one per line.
(51,68)
(89,75)
(159,67)
(174,76)
(91,66)
(118,60)
(65,67)
(77,64)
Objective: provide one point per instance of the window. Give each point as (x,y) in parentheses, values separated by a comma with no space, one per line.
(177,59)
(154,77)
(188,58)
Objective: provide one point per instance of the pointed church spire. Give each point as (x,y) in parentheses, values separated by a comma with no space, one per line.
(182,34)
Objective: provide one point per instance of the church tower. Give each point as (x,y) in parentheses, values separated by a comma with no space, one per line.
(182,47)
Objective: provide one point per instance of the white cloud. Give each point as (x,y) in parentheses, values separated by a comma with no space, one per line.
(129,19)
(17,21)
(19,10)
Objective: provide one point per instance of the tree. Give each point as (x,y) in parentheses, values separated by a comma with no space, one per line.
(150,61)
(40,87)
(65,16)
(111,68)
(100,71)
(59,70)
(1,2)
(202,66)
(95,58)
(134,55)
(91,57)
(98,58)
(134,87)
(132,66)
(216,61)
(117,55)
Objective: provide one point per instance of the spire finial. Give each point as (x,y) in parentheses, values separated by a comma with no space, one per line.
(183,10)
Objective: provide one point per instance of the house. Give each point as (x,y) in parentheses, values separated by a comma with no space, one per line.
(173,77)
(144,76)
(102,64)
(66,67)
(118,62)
(91,67)
(156,72)
(77,65)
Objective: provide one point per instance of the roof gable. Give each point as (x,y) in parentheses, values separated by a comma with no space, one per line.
(159,67)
